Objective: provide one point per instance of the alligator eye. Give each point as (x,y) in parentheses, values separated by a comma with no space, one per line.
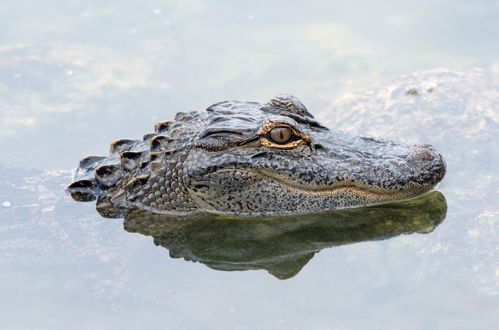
(281,135)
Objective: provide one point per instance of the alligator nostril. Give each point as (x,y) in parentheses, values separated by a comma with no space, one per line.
(421,156)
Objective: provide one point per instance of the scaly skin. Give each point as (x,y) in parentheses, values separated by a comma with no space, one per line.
(252,159)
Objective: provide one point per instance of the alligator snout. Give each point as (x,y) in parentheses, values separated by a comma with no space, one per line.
(429,161)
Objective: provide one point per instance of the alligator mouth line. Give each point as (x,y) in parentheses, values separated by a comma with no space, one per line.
(342,188)
(358,190)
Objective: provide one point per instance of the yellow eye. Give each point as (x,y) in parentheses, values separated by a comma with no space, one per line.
(281,135)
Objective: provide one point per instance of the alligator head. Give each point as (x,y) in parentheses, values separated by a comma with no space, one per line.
(247,158)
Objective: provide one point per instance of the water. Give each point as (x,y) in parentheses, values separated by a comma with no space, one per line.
(76,75)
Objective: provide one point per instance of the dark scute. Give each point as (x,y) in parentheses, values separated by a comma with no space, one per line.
(153,156)
(163,126)
(130,159)
(135,155)
(219,119)
(82,184)
(108,174)
(158,142)
(182,116)
(107,209)
(82,190)
(120,145)
(154,165)
(90,160)
(82,196)
(143,163)
(213,107)
(142,179)
(148,136)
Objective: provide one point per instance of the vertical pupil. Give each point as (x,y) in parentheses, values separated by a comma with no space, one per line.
(280,135)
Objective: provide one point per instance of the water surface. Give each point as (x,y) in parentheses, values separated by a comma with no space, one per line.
(75,75)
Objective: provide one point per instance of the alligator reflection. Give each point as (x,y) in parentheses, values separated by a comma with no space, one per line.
(283,245)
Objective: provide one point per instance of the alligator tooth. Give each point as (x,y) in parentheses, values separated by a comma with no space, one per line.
(130,159)
(108,174)
(90,160)
(120,145)
(163,126)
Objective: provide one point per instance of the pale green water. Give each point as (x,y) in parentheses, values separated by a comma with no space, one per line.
(75,75)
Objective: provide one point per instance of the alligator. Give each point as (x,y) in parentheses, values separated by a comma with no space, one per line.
(253,159)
